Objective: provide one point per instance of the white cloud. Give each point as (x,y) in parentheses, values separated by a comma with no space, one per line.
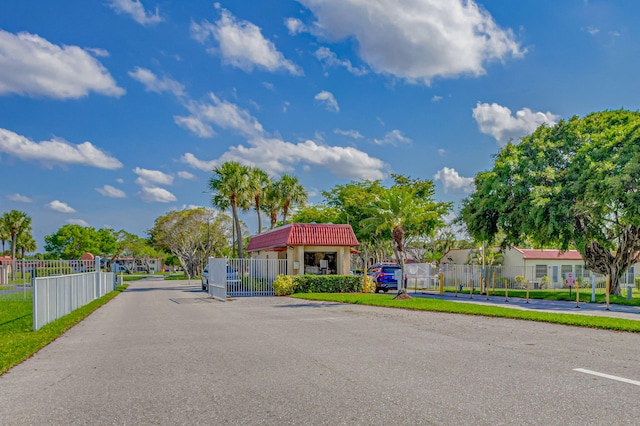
(329,58)
(276,157)
(154,84)
(222,113)
(186,175)
(497,121)
(417,40)
(350,133)
(147,177)
(35,67)
(328,100)
(393,137)
(120,180)
(242,45)
(56,151)
(19,198)
(591,30)
(154,194)
(442,151)
(436,98)
(295,26)
(196,163)
(137,11)
(451,180)
(268,86)
(78,222)
(61,207)
(111,192)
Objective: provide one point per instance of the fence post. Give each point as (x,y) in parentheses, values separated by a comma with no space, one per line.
(608,287)
(98,283)
(593,288)
(506,290)
(527,291)
(441,284)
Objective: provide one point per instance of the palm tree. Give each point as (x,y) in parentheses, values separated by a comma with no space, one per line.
(292,193)
(4,234)
(26,243)
(258,184)
(15,223)
(230,188)
(271,202)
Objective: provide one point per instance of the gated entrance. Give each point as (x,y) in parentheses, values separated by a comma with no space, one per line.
(243,277)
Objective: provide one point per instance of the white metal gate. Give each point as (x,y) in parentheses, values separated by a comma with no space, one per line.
(243,277)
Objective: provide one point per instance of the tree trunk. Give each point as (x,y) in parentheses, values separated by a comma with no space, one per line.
(236,221)
(600,260)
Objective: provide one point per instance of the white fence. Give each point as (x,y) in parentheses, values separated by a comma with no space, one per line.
(243,277)
(56,296)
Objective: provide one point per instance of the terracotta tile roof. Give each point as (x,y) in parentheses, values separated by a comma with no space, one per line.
(547,254)
(305,234)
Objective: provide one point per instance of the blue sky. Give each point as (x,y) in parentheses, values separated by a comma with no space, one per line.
(114,112)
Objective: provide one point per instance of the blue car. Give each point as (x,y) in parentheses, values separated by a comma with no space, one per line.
(384,275)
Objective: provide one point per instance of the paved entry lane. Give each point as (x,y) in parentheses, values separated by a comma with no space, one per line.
(164,353)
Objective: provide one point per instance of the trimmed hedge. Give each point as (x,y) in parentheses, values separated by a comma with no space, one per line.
(327,284)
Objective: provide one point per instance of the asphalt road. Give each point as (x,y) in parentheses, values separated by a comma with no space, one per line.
(163,353)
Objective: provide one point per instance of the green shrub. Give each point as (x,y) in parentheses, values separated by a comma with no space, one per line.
(327,284)
(637,280)
(283,285)
(369,285)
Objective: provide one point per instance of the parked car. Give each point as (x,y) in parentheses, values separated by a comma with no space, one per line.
(232,275)
(384,275)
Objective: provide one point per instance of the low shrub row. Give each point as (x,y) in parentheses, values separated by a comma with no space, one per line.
(284,284)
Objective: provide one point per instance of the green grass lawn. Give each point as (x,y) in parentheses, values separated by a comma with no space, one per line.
(559,294)
(18,341)
(434,305)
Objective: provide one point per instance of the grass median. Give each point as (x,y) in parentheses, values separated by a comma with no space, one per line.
(18,341)
(433,305)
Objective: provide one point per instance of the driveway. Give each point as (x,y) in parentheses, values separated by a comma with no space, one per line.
(164,353)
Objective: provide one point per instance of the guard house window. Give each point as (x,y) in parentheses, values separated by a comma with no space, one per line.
(320,263)
(541,271)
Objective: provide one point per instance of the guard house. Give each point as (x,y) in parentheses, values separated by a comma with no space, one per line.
(309,248)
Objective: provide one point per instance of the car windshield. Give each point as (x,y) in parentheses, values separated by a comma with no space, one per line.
(390,269)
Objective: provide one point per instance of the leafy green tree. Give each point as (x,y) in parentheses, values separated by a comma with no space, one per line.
(72,241)
(292,194)
(575,184)
(230,189)
(26,243)
(317,214)
(5,235)
(192,235)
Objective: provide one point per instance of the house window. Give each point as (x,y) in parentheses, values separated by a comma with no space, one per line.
(541,271)
(320,263)
(565,269)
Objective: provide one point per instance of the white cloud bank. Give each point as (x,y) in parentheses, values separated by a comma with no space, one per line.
(56,151)
(393,137)
(241,44)
(148,177)
(497,121)
(137,11)
(33,66)
(417,40)
(451,180)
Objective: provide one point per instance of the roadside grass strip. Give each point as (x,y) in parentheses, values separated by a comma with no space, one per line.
(18,341)
(422,304)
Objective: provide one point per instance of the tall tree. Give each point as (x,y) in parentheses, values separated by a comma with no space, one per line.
(72,241)
(271,203)
(15,222)
(258,183)
(292,192)
(184,233)
(575,185)
(25,242)
(230,188)
(4,234)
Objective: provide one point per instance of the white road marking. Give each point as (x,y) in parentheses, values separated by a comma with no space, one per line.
(608,376)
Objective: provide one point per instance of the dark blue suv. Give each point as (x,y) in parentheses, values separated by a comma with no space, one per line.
(384,276)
